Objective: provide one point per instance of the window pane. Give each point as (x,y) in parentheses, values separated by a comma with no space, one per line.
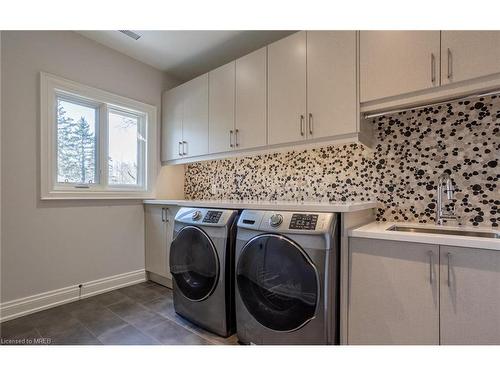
(76,143)
(123,148)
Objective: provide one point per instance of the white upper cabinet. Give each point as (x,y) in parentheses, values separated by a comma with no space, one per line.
(221,109)
(251,100)
(469,54)
(195,117)
(331,83)
(398,62)
(171,136)
(287,89)
(470,296)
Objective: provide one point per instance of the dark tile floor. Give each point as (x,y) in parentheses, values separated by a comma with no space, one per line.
(141,314)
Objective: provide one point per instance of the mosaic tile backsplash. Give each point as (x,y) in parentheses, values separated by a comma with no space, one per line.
(411,149)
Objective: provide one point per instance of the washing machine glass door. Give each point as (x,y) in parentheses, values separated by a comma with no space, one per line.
(194,263)
(277,282)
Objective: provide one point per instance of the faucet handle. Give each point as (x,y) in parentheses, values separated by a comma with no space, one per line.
(449,189)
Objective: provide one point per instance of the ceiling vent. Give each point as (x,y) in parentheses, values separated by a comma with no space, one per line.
(130,34)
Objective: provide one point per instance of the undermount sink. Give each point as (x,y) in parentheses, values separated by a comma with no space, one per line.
(448,232)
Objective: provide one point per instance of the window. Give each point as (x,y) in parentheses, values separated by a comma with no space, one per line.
(76,143)
(95,144)
(125,148)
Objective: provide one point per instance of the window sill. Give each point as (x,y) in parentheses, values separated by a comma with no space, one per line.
(70,195)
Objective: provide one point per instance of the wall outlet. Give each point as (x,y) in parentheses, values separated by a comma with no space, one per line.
(213,189)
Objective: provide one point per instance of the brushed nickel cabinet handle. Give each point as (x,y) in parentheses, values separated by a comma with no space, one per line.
(180,145)
(433,68)
(310,123)
(236,138)
(184,152)
(231,139)
(449,269)
(450,64)
(431,265)
(302,125)
(163,215)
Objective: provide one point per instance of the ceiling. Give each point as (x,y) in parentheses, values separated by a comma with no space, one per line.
(186,54)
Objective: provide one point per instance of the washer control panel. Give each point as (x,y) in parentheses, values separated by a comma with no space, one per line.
(303,221)
(287,222)
(212,217)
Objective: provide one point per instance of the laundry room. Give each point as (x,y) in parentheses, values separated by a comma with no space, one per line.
(239,186)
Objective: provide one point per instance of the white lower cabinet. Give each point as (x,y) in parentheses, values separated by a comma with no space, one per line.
(411,293)
(159,226)
(470,296)
(393,293)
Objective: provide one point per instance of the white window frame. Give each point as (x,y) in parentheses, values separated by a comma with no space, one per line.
(52,88)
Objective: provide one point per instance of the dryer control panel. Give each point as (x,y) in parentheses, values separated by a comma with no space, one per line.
(205,216)
(212,217)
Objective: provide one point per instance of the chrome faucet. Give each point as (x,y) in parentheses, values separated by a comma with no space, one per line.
(441,212)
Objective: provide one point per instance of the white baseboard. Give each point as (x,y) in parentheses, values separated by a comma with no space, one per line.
(28,305)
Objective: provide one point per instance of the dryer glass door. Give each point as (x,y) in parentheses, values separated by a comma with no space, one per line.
(277,282)
(194,263)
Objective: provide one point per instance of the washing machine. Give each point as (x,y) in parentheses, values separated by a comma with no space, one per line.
(202,267)
(287,278)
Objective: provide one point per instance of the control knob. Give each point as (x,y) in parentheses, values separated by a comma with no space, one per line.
(275,220)
(196,215)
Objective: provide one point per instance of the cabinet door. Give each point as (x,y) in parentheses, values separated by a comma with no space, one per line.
(331,83)
(469,54)
(195,119)
(398,62)
(393,293)
(470,296)
(221,109)
(287,89)
(171,127)
(156,243)
(251,99)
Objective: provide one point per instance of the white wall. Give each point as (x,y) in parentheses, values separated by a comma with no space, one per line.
(50,245)
(0,164)
(170,182)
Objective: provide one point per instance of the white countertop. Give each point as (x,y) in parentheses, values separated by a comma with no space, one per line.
(377,230)
(269,205)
